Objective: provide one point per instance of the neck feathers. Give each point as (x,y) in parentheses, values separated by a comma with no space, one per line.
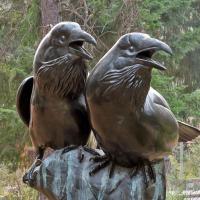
(61,77)
(131,82)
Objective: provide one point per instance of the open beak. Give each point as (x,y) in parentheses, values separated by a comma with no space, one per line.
(146,50)
(77,39)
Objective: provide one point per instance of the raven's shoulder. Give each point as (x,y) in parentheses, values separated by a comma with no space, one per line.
(157,98)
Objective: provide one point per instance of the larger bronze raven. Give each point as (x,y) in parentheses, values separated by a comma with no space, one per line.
(52,102)
(132,122)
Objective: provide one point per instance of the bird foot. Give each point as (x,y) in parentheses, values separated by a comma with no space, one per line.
(112,168)
(69,148)
(91,151)
(150,171)
(80,151)
(147,169)
(87,149)
(80,154)
(29,177)
(103,161)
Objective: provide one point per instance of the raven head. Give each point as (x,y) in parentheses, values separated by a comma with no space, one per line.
(64,39)
(59,63)
(127,66)
(138,48)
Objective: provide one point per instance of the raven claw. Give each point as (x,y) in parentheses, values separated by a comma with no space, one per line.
(91,151)
(104,161)
(69,148)
(149,173)
(80,155)
(112,168)
(29,177)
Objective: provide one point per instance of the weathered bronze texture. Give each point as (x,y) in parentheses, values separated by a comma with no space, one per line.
(131,121)
(52,102)
(62,176)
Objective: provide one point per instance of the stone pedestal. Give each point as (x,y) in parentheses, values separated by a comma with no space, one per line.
(63,177)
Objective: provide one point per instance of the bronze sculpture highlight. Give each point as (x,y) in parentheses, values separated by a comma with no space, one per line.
(52,102)
(132,122)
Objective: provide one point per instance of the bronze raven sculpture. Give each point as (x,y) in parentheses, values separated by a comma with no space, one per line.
(132,122)
(52,102)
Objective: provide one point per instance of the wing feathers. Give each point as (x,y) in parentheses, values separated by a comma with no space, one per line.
(23,99)
(187,132)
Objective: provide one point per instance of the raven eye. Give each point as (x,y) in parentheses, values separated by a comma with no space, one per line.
(62,38)
(131,49)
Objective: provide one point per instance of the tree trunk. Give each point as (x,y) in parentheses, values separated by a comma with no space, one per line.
(49,14)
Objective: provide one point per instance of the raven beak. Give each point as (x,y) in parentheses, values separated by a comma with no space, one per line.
(147,48)
(77,39)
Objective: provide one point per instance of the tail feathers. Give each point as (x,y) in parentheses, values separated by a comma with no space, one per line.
(187,132)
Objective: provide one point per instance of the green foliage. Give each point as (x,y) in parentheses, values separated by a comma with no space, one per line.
(184,105)
(171,92)
(12,132)
(191,171)
(192,160)
(186,43)
(160,15)
(177,23)
(12,188)
(29,26)
(19,30)
(175,196)
(105,13)
(11,128)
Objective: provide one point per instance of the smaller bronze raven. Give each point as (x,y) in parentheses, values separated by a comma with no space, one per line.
(52,102)
(132,122)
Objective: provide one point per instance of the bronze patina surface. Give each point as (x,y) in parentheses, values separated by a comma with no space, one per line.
(132,122)
(52,102)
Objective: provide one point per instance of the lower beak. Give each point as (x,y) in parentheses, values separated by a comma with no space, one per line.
(77,40)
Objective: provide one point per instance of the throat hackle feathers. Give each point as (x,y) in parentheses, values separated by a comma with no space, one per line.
(134,81)
(62,77)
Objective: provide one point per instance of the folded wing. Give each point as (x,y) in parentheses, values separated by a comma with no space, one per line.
(23,99)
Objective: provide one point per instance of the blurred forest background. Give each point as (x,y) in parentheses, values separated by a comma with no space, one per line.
(24,22)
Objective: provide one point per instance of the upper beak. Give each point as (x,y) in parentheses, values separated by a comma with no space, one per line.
(155,43)
(77,39)
(146,48)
